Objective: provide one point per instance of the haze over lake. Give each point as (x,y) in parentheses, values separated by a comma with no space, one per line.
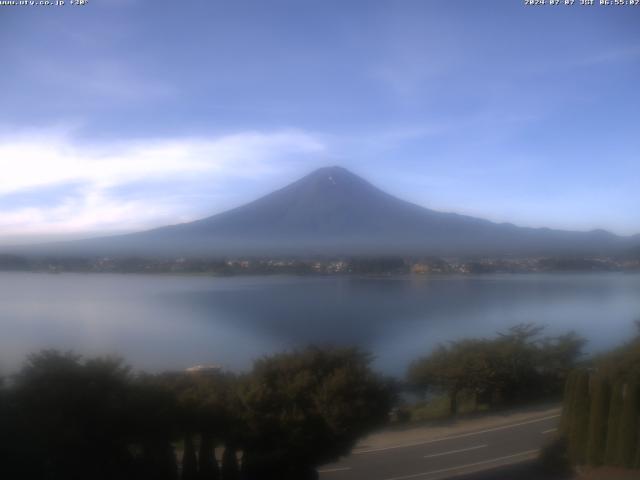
(172,322)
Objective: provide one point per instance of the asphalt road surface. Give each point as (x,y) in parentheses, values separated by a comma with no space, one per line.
(454,455)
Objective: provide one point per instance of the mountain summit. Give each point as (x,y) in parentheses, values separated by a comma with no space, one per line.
(333,211)
(330,201)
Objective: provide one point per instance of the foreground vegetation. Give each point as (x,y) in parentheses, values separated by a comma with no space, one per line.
(516,367)
(62,417)
(601,414)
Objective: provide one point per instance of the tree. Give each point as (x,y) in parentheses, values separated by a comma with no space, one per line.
(206,404)
(308,407)
(230,470)
(520,362)
(152,416)
(613,423)
(516,366)
(623,363)
(208,468)
(189,460)
(463,366)
(18,458)
(73,415)
(579,423)
(557,357)
(628,429)
(569,392)
(636,461)
(441,371)
(607,408)
(600,395)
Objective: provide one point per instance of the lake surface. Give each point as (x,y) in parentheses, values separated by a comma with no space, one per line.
(170,322)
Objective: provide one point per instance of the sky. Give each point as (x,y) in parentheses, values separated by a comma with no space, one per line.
(121,115)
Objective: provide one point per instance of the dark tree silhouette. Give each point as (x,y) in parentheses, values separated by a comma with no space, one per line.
(64,417)
(72,415)
(230,470)
(189,460)
(309,407)
(600,398)
(516,366)
(208,468)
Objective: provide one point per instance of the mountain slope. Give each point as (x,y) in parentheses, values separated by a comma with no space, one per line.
(334,211)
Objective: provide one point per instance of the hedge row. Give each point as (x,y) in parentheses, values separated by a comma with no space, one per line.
(601,420)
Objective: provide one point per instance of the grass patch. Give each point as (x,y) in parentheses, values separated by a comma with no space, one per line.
(437,408)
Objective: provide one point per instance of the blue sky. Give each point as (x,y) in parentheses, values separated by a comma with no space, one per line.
(126,114)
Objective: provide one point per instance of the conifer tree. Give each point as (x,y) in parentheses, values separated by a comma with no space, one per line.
(628,435)
(613,424)
(207,464)
(230,470)
(569,390)
(189,460)
(600,397)
(579,423)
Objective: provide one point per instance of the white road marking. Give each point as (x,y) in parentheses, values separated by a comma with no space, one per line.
(461,467)
(337,469)
(456,451)
(551,430)
(453,437)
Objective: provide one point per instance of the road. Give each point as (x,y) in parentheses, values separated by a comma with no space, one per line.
(453,455)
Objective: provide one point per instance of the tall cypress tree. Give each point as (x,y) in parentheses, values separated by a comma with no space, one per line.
(579,422)
(159,460)
(207,464)
(628,437)
(600,397)
(189,460)
(569,390)
(230,470)
(613,424)
(170,464)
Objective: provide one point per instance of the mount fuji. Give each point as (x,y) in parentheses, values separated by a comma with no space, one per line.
(333,211)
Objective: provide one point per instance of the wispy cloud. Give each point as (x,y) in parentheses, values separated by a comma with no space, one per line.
(103,80)
(624,54)
(34,162)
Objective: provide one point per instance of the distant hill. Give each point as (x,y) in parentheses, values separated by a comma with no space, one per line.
(333,211)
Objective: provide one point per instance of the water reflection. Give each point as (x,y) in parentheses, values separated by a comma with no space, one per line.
(160,322)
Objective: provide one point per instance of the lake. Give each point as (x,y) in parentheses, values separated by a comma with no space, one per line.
(172,322)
